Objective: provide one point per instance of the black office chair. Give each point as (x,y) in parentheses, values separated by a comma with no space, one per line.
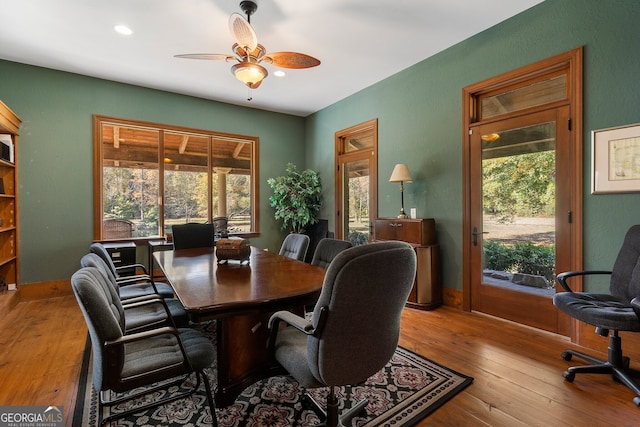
(354,329)
(327,250)
(142,274)
(295,246)
(607,312)
(193,235)
(124,362)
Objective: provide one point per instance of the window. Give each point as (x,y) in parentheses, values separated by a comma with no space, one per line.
(356,181)
(149,176)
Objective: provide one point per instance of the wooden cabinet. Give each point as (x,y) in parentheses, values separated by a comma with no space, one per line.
(122,253)
(421,234)
(9,125)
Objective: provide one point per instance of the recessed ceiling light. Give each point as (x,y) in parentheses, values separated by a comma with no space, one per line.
(123,29)
(279,73)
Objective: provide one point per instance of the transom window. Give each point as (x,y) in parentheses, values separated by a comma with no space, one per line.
(149,176)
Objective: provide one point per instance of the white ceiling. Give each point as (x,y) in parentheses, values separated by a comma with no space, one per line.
(359,42)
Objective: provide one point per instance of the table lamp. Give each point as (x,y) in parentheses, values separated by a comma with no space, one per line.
(401,174)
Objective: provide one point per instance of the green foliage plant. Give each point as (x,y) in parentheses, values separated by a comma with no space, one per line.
(297,198)
(357,238)
(522,185)
(522,257)
(498,256)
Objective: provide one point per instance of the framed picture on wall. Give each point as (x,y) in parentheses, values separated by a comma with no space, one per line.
(616,160)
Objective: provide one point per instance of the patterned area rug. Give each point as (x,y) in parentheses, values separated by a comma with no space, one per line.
(405,391)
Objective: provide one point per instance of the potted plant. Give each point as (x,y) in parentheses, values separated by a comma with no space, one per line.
(297,198)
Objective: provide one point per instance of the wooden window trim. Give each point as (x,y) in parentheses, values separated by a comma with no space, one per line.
(98,165)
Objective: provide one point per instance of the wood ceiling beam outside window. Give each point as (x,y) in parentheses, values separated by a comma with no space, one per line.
(140,145)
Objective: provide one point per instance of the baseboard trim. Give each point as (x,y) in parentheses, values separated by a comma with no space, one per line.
(452,298)
(44,290)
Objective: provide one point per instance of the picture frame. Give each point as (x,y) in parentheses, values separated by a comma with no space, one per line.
(615,160)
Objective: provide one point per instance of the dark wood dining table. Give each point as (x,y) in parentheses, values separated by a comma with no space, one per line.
(240,297)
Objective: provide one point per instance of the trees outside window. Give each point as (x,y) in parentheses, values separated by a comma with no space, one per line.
(150,176)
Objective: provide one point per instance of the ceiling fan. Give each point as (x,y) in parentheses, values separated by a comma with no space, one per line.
(249,53)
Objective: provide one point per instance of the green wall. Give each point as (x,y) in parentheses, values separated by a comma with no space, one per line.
(419,113)
(56,149)
(419,118)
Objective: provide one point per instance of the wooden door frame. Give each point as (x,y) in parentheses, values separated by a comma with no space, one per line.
(571,61)
(339,156)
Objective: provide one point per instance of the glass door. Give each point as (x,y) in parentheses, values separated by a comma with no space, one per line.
(517,225)
(356,182)
(357,220)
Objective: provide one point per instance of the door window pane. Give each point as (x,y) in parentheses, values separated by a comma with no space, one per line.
(359,140)
(356,201)
(532,95)
(518,203)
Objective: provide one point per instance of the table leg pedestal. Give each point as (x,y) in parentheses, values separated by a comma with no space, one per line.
(243,357)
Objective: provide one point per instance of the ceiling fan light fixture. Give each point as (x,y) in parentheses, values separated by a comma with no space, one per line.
(250,74)
(249,53)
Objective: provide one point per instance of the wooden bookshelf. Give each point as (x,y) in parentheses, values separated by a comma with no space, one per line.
(9,253)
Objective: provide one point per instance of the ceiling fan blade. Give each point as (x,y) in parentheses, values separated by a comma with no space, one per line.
(291,60)
(242,31)
(214,56)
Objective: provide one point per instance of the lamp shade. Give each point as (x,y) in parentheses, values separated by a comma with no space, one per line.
(400,173)
(249,73)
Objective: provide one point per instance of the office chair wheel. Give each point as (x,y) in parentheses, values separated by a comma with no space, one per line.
(636,401)
(569,376)
(566,355)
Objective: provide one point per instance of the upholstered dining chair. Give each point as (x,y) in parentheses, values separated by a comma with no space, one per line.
(124,362)
(354,328)
(129,288)
(609,313)
(327,250)
(145,307)
(193,235)
(295,246)
(123,280)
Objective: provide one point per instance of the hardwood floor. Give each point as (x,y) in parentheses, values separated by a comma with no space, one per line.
(42,342)
(517,370)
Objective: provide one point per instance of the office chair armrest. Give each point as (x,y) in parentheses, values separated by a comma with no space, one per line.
(300,323)
(562,277)
(137,280)
(141,298)
(635,303)
(134,266)
(149,300)
(130,280)
(143,335)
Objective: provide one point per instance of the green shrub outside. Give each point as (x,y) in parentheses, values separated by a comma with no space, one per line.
(357,238)
(523,257)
